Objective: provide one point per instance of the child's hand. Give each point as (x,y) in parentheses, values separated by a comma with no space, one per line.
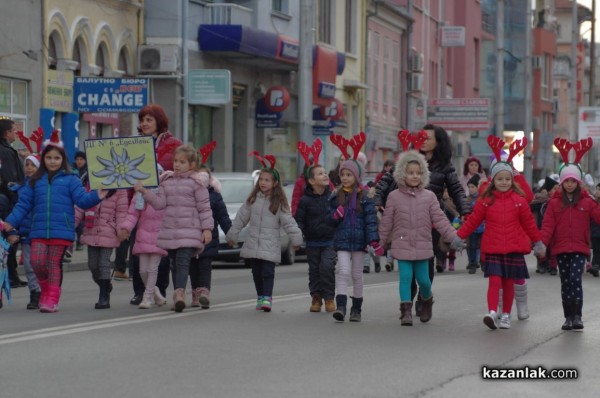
(102,193)
(6,226)
(123,235)
(12,239)
(539,249)
(457,244)
(377,249)
(339,213)
(206,236)
(231,243)
(139,187)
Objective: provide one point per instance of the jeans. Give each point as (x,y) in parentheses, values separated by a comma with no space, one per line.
(473,248)
(201,272)
(263,274)
(32,282)
(321,270)
(180,265)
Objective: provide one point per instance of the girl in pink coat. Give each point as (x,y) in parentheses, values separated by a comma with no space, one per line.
(410,212)
(100,235)
(148,222)
(187,222)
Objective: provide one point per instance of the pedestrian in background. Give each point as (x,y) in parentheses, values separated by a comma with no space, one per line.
(265,211)
(187,222)
(80,164)
(474,241)
(471,168)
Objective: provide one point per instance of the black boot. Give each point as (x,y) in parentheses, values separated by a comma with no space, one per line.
(595,270)
(34,300)
(568,325)
(340,312)
(104,297)
(576,308)
(355,311)
(418,306)
(377,267)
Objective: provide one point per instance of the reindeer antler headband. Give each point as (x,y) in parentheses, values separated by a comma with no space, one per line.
(305,150)
(417,140)
(496,144)
(271,159)
(564,147)
(37,136)
(356,143)
(206,150)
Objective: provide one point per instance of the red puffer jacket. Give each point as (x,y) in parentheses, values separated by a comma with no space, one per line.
(509,224)
(567,229)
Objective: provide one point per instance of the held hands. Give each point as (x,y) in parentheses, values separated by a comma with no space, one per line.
(339,213)
(539,249)
(457,244)
(231,243)
(123,235)
(377,249)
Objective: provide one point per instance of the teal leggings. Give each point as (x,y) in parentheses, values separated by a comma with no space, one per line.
(421,271)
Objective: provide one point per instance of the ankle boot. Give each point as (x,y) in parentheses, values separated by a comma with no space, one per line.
(426,310)
(178,300)
(406,314)
(195,297)
(317,302)
(204,298)
(104,296)
(451,265)
(340,312)
(34,300)
(418,306)
(521,300)
(356,309)
(576,308)
(52,299)
(568,325)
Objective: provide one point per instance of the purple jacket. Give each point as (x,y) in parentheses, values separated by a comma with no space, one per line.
(148,223)
(110,213)
(185,198)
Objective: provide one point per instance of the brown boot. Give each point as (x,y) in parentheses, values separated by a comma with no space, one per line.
(406,314)
(317,302)
(329,305)
(178,300)
(426,310)
(195,297)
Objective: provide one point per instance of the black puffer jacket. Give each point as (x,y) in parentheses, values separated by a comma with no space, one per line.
(313,217)
(441,177)
(11,170)
(220,218)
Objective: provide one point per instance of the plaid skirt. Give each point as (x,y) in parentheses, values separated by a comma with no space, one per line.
(511,266)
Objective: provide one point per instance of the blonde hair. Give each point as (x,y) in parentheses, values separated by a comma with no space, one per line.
(190,154)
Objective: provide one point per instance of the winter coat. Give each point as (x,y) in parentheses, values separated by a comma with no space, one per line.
(263,240)
(519,180)
(148,222)
(11,170)
(444,176)
(410,213)
(168,143)
(349,237)
(384,186)
(53,206)
(567,229)
(220,217)
(184,196)
(464,181)
(25,227)
(509,224)
(107,216)
(313,218)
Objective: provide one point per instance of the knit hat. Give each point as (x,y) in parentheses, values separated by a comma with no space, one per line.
(80,154)
(572,169)
(499,163)
(497,167)
(35,159)
(474,180)
(549,183)
(353,167)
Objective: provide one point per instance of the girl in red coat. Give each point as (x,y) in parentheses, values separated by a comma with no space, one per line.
(567,225)
(509,230)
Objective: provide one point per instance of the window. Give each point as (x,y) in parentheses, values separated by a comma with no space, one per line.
(395,79)
(282,6)
(325,21)
(544,76)
(351,30)
(476,66)
(200,125)
(375,72)
(14,100)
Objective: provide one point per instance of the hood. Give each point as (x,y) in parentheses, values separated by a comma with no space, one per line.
(400,169)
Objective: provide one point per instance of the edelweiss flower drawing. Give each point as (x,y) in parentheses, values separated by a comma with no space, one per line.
(120,168)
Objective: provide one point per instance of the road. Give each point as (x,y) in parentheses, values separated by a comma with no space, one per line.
(232,350)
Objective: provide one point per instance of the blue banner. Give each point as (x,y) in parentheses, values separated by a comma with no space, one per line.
(115,95)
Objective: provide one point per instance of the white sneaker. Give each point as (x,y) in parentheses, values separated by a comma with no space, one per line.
(505,321)
(490,320)
(159,298)
(145,304)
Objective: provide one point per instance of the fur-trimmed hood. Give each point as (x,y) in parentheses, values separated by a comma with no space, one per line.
(403,160)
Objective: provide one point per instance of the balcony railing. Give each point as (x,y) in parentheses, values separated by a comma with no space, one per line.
(228,14)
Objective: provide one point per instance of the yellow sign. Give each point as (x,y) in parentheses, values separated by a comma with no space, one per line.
(59,91)
(121,162)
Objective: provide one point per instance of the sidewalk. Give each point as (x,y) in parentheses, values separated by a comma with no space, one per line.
(78,262)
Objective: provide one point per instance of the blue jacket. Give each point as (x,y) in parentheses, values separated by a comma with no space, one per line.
(356,237)
(220,217)
(51,205)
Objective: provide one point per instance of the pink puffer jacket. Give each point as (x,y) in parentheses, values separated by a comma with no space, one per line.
(185,198)
(148,223)
(110,213)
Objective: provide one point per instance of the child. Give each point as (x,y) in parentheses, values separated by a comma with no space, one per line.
(148,222)
(81,166)
(266,211)
(406,223)
(100,235)
(201,266)
(474,240)
(51,196)
(187,222)
(312,217)
(509,231)
(567,225)
(355,219)
(32,164)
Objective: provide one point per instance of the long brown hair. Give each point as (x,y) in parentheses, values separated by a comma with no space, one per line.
(343,197)
(565,198)
(42,169)
(277,199)
(488,191)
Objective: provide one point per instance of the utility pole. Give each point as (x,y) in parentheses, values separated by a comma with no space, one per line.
(592,96)
(184,72)
(573,87)
(305,92)
(527,128)
(500,69)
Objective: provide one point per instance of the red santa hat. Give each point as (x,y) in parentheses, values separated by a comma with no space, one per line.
(54,140)
(35,159)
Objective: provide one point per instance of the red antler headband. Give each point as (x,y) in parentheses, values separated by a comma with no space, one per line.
(417,141)
(206,150)
(37,136)
(271,160)
(580,147)
(356,143)
(306,151)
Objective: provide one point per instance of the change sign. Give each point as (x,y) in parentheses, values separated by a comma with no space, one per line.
(112,95)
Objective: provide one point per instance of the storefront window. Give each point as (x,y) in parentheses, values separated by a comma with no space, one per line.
(13,101)
(200,125)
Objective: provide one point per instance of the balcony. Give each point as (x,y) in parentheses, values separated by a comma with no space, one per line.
(228,14)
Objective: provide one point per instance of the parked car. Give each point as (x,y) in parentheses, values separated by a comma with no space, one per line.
(235,188)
